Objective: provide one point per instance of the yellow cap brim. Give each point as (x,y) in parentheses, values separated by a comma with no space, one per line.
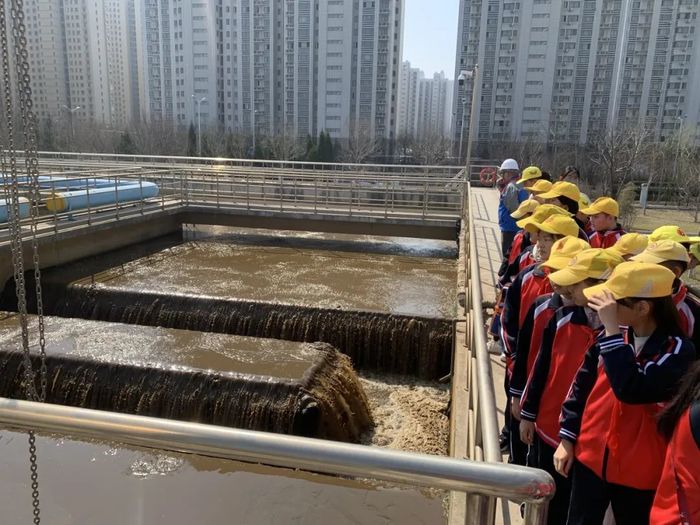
(567,277)
(523,223)
(545,228)
(520,215)
(549,195)
(600,289)
(591,211)
(646,257)
(557,263)
(694,240)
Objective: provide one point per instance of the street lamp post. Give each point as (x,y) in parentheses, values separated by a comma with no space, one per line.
(70,116)
(474,73)
(199,123)
(255,112)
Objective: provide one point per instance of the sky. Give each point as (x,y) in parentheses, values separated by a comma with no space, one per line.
(430,35)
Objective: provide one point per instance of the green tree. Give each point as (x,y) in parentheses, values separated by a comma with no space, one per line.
(191,141)
(325,147)
(126,145)
(311,150)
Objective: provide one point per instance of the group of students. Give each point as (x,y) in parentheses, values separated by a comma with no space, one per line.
(602,377)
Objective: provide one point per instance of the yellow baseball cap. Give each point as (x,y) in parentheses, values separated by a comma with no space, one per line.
(525,208)
(635,279)
(694,240)
(564,250)
(529,173)
(562,189)
(668,233)
(695,250)
(596,263)
(541,186)
(542,212)
(584,201)
(662,251)
(630,244)
(603,205)
(558,225)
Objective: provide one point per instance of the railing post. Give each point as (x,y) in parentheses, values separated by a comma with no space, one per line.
(315,194)
(116,194)
(141,188)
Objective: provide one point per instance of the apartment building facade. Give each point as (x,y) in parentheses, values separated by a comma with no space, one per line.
(564,70)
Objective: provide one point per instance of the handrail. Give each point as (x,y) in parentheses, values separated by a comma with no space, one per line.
(497,480)
(487,395)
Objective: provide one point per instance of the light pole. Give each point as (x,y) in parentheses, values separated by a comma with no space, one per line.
(474,74)
(199,123)
(70,116)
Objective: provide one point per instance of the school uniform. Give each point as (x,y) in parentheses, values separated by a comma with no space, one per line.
(566,338)
(606,239)
(677,499)
(610,415)
(525,289)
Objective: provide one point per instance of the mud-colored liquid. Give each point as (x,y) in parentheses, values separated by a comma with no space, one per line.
(99,484)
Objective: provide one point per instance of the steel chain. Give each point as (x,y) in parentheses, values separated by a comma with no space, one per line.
(11,191)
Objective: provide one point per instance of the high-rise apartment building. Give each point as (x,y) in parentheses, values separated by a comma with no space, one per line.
(80,58)
(425,104)
(273,66)
(564,70)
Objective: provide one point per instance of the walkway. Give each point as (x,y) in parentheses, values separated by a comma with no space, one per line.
(488,242)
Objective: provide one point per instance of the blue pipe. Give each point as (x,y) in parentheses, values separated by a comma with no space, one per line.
(78,199)
(23,209)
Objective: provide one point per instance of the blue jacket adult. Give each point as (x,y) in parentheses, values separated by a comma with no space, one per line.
(509,201)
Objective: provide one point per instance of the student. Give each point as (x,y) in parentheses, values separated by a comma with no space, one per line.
(672,255)
(567,337)
(510,198)
(530,176)
(677,499)
(539,314)
(527,286)
(538,188)
(529,255)
(603,215)
(566,195)
(522,238)
(630,244)
(609,444)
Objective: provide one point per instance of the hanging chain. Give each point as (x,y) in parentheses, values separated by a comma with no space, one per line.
(12,202)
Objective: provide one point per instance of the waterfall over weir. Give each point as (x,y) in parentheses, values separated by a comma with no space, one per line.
(374,341)
(302,389)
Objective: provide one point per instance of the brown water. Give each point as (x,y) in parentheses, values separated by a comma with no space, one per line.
(139,370)
(98,484)
(276,287)
(395,276)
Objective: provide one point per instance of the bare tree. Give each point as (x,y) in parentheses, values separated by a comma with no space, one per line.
(617,154)
(284,145)
(158,137)
(432,149)
(361,144)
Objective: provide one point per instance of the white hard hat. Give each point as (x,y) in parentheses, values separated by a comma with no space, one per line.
(509,165)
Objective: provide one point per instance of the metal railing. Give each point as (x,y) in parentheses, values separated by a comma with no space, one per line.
(374,196)
(488,479)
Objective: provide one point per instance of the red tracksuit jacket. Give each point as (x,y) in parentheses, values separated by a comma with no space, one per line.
(610,412)
(527,286)
(677,498)
(525,259)
(520,242)
(529,339)
(605,239)
(565,341)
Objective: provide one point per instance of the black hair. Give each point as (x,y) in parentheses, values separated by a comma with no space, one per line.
(675,265)
(570,204)
(688,392)
(568,171)
(546,176)
(664,312)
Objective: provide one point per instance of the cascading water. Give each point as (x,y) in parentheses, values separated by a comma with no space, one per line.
(312,389)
